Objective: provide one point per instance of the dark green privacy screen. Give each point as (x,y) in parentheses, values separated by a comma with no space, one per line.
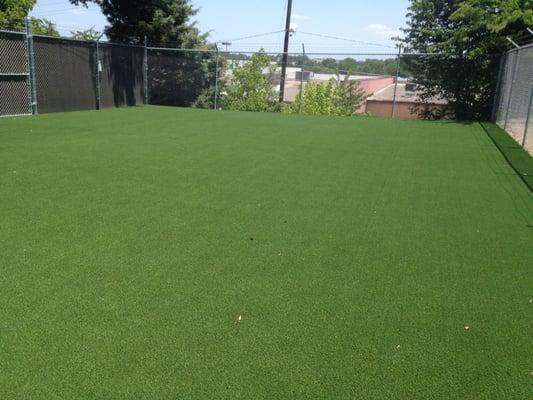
(65,74)
(122,82)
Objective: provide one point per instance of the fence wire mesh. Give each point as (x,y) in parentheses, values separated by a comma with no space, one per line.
(181,78)
(14,74)
(514,101)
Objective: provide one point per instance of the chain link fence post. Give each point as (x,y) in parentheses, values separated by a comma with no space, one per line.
(98,80)
(31,67)
(216,78)
(300,95)
(145,71)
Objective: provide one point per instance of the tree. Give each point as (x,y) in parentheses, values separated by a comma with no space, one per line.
(162,21)
(336,97)
(13,13)
(88,34)
(468,37)
(44,27)
(252,86)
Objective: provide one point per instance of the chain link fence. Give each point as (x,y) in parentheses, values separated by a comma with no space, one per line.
(513,105)
(15,87)
(48,74)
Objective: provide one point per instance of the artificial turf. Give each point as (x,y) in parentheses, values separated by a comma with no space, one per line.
(368,258)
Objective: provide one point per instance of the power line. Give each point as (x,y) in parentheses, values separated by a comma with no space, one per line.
(54,13)
(255,36)
(346,40)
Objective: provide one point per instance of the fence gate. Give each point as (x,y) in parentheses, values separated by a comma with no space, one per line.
(15,84)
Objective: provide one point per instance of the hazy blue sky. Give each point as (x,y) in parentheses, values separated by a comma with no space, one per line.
(374,21)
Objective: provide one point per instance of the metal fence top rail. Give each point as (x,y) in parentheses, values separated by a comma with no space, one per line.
(526,46)
(12,32)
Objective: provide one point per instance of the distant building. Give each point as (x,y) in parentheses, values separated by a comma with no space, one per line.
(409,104)
(368,83)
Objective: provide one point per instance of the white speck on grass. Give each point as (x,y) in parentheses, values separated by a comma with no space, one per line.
(398,347)
(467,328)
(240,318)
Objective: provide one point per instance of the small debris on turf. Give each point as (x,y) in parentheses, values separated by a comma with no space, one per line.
(398,347)
(467,328)
(240,318)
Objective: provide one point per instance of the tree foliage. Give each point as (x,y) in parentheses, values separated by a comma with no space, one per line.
(469,38)
(252,85)
(13,13)
(43,26)
(342,66)
(87,34)
(162,21)
(335,97)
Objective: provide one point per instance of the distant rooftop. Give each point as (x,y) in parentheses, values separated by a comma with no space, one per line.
(403,95)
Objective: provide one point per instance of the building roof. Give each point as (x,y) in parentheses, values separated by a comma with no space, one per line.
(403,96)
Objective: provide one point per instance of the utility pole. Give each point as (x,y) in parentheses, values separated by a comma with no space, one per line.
(398,65)
(285,52)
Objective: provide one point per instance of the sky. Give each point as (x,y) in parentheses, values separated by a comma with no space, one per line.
(368,21)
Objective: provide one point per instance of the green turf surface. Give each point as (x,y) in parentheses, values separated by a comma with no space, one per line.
(355,250)
(513,152)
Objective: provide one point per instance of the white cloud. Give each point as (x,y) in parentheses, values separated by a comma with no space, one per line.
(384,30)
(300,17)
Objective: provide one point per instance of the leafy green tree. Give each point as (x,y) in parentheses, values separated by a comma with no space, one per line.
(469,38)
(252,86)
(87,34)
(162,21)
(13,13)
(42,26)
(335,97)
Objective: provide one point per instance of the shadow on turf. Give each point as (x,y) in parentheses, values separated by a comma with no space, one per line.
(518,158)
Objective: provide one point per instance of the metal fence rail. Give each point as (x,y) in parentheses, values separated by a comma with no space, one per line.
(513,106)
